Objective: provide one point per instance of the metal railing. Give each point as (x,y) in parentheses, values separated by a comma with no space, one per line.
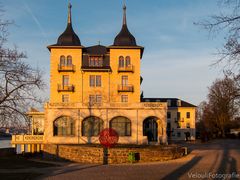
(125,88)
(66,68)
(129,68)
(66,88)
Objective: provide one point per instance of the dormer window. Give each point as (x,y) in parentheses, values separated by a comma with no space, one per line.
(179,103)
(169,103)
(95,61)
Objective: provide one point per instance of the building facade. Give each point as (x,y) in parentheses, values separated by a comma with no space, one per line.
(98,87)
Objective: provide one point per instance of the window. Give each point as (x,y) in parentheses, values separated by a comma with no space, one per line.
(179,134)
(188,114)
(169,115)
(91,99)
(98,99)
(121,61)
(92,81)
(92,126)
(124,98)
(169,126)
(128,61)
(95,99)
(96,61)
(62,60)
(65,62)
(69,61)
(179,103)
(64,126)
(122,125)
(168,103)
(178,116)
(124,80)
(98,81)
(188,125)
(65,98)
(65,80)
(95,81)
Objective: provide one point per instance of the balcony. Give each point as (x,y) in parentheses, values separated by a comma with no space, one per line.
(125,88)
(96,68)
(129,68)
(65,88)
(66,68)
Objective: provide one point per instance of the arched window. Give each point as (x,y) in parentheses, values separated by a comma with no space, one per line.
(92,126)
(122,125)
(64,126)
(121,61)
(69,60)
(62,60)
(128,61)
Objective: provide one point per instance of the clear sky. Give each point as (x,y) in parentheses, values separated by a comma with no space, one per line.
(177,56)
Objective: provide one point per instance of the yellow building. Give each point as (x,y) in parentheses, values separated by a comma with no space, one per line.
(98,87)
(181,118)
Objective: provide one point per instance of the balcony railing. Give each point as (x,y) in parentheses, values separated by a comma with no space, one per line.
(125,88)
(65,88)
(129,68)
(66,68)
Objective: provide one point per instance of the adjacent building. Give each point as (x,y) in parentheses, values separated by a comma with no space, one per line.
(180,118)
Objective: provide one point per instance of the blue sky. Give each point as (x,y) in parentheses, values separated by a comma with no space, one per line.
(178,54)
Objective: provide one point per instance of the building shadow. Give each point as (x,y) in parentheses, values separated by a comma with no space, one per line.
(176,174)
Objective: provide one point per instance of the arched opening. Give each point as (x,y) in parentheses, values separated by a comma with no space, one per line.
(69,60)
(150,129)
(92,126)
(64,126)
(121,62)
(128,61)
(62,60)
(122,125)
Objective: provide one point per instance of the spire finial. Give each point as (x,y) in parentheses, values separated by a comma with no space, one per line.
(124,13)
(69,13)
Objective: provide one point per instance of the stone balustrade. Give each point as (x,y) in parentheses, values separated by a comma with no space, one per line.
(27,139)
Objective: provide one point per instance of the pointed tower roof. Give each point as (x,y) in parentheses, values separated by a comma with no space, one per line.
(69,37)
(124,38)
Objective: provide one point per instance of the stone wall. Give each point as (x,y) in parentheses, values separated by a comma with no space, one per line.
(116,155)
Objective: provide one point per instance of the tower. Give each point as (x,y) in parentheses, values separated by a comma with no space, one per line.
(65,62)
(125,57)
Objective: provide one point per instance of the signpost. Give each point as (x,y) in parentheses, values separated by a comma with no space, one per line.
(108,138)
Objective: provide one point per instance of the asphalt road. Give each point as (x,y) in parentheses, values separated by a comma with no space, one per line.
(218,159)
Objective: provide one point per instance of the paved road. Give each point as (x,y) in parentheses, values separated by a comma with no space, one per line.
(215,159)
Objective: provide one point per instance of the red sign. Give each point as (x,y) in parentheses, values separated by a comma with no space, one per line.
(108,137)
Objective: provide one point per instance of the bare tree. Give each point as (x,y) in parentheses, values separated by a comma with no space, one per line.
(18,81)
(228,23)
